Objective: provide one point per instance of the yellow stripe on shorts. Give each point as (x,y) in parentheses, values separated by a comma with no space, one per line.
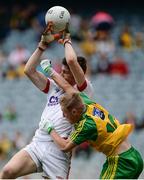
(115,167)
(112,166)
(107,171)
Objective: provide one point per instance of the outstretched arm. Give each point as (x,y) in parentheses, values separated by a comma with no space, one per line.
(71,59)
(73,64)
(35,76)
(30,70)
(65,145)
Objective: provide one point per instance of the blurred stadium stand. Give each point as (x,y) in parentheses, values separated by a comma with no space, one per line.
(119,94)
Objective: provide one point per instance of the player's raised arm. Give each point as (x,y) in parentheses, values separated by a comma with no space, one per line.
(30,68)
(71,59)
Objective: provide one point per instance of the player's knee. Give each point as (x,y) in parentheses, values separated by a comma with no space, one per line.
(8,172)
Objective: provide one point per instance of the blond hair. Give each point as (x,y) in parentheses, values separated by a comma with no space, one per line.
(69,101)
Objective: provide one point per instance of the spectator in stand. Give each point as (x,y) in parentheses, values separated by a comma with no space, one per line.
(104,45)
(132,119)
(19,55)
(20,70)
(83,149)
(103,65)
(126,39)
(119,67)
(104,51)
(139,40)
(1,116)
(10,113)
(11,73)
(103,24)
(17,59)
(88,44)
(5,146)
(19,141)
(3,64)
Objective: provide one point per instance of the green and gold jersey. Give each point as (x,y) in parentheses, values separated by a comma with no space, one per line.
(99,128)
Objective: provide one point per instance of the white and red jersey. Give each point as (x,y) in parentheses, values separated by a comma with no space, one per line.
(52,111)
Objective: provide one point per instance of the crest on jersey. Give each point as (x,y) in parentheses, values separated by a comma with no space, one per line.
(97,112)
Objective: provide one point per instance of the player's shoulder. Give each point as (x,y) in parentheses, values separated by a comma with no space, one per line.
(53,88)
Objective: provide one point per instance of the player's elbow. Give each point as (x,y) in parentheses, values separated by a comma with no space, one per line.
(65,149)
(71,60)
(28,71)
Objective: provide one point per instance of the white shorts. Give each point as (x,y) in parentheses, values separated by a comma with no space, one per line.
(49,159)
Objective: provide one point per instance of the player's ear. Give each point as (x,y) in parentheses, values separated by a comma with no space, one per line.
(74,111)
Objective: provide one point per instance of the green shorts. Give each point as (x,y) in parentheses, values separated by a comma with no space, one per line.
(127,165)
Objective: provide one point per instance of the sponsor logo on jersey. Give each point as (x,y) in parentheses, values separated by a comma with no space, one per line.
(53,100)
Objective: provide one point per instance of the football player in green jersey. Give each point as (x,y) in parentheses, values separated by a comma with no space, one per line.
(95,124)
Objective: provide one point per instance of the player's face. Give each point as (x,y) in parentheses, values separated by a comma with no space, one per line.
(68,115)
(72,116)
(67,75)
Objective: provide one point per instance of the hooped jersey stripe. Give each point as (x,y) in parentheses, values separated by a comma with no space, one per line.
(74,135)
(47,86)
(83,86)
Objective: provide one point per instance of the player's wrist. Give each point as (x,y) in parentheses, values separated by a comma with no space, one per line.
(67,41)
(47,67)
(41,46)
(49,71)
(49,129)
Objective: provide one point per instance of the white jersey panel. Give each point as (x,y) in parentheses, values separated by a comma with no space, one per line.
(52,112)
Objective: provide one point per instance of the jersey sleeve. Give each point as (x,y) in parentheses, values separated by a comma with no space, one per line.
(86,130)
(87,88)
(49,85)
(82,87)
